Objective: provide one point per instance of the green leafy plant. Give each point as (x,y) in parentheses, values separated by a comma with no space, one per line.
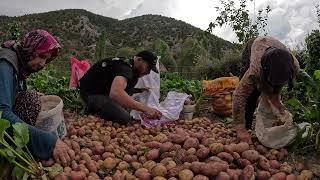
(306,108)
(14,149)
(47,82)
(174,82)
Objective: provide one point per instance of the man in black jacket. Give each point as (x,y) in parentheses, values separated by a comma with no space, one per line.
(108,85)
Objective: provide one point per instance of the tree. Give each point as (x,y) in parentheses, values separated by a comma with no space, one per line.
(100,52)
(127,52)
(161,48)
(192,53)
(239,20)
(313,49)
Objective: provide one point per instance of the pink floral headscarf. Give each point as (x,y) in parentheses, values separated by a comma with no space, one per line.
(34,43)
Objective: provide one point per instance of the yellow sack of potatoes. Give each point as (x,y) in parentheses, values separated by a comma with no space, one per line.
(220,85)
(222,104)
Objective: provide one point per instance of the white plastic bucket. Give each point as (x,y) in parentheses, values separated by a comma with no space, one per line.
(51,117)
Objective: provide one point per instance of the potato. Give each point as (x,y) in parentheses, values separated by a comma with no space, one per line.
(91,166)
(263,175)
(85,156)
(291,177)
(248,173)
(165,160)
(109,163)
(159,170)
(108,154)
(143,174)
(228,148)
(174,171)
(264,163)
(172,178)
(196,166)
(261,149)
(279,176)
(165,147)
(242,163)
(123,166)
(94,175)
(305,174)
(208,141)
(191,143)
(234,173)
(203,153)
(280,156)
(98,149)
(274,164)
(149,165)
(79,175)
(241,147)
(223,176)
(190,158)
(136,165)
(159,178)
(186,165)
(186,174)
(236,155)
(191,151)
(128,158)
(286,168)
(170,165)
(67,170)
(175,147)
(299,167)
(153,144)
(142,159)
(216,148)
(225,156)
(61,176)
(213,168)
(176,138)
(200,177)
(251,155)
(153,154)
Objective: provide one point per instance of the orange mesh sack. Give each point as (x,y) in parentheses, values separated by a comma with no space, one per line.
(221,90)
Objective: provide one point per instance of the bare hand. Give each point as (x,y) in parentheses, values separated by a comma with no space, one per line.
(62,153)
(152,113)
(243,135)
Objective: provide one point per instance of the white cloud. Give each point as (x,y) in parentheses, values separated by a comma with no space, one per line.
(289,21)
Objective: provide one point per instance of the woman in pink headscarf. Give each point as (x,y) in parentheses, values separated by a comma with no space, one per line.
(17,62)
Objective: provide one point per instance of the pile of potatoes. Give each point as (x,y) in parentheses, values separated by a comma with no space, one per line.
(197,149)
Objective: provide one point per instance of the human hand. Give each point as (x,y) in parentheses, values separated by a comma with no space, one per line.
(62,153)
(152,113)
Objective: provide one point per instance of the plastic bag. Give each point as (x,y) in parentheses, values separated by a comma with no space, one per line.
(170,107)
(78,69)
(273,136)
(51,117)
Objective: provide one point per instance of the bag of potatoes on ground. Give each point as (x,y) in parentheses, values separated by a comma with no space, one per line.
(273,130)
(221,90)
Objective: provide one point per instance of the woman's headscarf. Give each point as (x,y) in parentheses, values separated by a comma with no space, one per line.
(34,43)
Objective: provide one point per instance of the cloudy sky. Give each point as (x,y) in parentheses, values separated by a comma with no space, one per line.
(289,21)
